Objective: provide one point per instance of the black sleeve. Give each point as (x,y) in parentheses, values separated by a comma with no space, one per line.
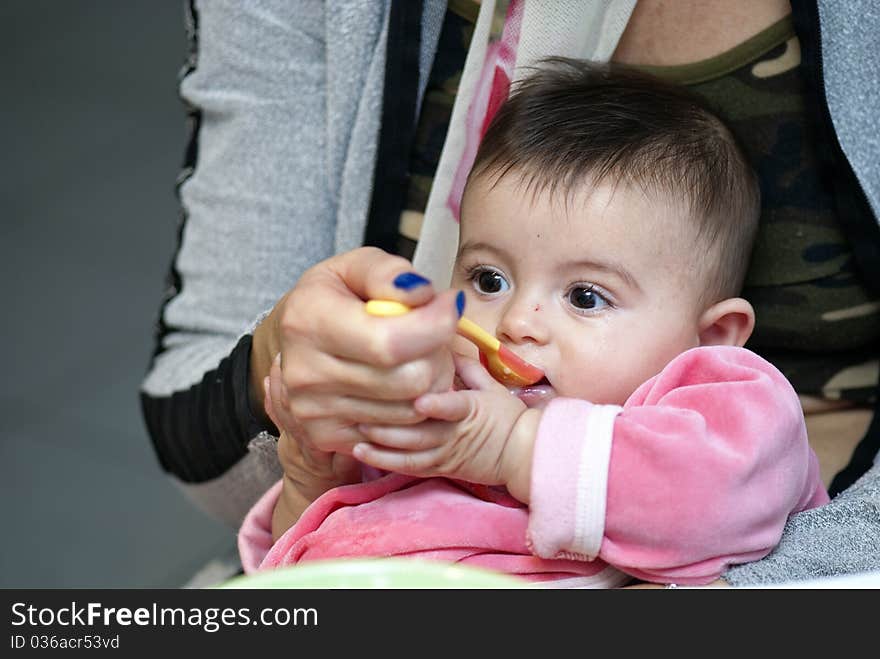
(201,432)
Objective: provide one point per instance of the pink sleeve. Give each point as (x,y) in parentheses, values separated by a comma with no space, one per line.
(699,470)
(255,534)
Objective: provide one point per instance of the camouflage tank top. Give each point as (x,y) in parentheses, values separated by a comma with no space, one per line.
(815,319)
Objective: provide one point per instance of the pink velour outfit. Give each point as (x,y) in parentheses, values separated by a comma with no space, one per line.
(698,470)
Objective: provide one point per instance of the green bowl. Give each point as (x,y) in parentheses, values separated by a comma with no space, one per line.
(376,573)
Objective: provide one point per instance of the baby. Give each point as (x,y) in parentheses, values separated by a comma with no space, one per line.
(605,234)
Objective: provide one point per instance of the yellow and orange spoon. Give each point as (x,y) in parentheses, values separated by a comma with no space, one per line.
(509,369)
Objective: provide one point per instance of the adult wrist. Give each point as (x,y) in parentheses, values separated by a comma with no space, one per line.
(259,364)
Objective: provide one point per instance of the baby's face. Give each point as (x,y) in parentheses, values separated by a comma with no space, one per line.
(601,295)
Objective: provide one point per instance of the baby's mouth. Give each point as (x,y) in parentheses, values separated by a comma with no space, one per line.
(535,395)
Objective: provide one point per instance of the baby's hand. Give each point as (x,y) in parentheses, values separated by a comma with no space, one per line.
(482,434)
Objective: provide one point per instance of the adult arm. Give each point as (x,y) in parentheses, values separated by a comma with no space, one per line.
(698,470)
(260,197)
(254,85)
(842,537)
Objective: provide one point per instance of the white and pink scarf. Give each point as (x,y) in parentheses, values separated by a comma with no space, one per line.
(533,30)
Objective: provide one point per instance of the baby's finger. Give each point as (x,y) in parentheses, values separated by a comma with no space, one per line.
(402,462)
(447,406)
(425,435)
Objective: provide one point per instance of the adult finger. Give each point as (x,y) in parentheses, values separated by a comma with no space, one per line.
(371,273)
(323,373)
(350,411)
(276,398)
(403,462)
(350,333)
(473,374)
(267,402)
(425,435)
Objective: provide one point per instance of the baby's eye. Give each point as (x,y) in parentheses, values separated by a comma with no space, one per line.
(585,298)
(489,282)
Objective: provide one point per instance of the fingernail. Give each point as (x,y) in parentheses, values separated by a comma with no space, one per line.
(459,303)
(408,280)
(277,359)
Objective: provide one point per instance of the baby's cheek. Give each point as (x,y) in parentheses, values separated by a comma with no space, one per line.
(594,385)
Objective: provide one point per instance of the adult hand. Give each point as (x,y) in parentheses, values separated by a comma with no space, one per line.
(340,366)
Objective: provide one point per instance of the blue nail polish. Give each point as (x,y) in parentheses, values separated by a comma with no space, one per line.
(408,280)
(459,303)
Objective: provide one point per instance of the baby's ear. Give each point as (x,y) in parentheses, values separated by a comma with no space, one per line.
(727,323)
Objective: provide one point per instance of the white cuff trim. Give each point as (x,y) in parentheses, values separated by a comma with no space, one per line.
(592,489)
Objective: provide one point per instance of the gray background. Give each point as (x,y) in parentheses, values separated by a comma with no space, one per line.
(93,134)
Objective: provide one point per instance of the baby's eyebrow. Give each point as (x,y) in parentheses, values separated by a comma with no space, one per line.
(608,267)
(479,246)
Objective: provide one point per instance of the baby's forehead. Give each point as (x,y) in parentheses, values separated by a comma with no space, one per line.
(624,220)
(612,202)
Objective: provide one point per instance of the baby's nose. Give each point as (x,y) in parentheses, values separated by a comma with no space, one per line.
(523,322)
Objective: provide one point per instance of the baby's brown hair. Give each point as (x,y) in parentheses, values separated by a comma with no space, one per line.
(573,122)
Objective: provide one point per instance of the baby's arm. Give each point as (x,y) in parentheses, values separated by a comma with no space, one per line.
(482,434)
(699,470)
(307,474)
